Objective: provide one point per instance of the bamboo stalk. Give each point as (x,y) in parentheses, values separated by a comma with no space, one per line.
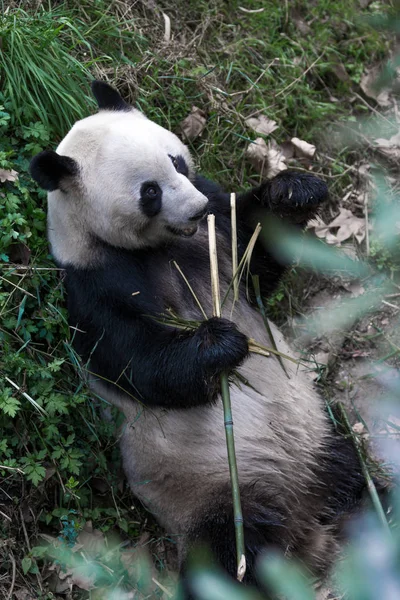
(234,250)
(228,421)
(376,501)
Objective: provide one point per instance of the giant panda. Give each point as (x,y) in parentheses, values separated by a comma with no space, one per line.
(124,202)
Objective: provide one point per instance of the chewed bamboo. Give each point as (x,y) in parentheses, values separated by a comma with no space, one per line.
(228,421)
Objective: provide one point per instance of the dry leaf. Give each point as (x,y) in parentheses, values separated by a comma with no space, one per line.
(390,148)
(268,160)
(302,148)
(8,175)
(262,124)
(193,125)
(367,84)
(22,594)
(340,71)
(347,226)
(302,26)
(79,576)
(355,288)
(358,428)
(91,540)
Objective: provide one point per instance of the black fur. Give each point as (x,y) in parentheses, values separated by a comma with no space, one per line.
(107,97)
(49,169)
(150,198)
(180,165)
(124,340)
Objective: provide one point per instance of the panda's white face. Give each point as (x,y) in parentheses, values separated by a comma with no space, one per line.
(132,188)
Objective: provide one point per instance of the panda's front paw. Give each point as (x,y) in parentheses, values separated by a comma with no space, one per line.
(221,345)
(294,194)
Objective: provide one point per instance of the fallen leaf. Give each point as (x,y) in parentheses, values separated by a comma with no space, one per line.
(358,428)
(91,540)
(322,358)
(23,594)
(80,577)
(355,288)
(268,160)
(193,125)
(339,70)
(262,124)
(6,175)
(302,26)
(302,148)
(368,86)
(347,226)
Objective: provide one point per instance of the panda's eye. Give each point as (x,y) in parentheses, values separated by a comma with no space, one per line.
(150,198)
(151,192)
(179,164)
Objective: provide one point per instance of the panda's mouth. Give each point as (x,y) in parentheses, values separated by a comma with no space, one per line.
(183,231)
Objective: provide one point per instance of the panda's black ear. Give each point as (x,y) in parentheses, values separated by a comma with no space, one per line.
(107,97)
(49,169)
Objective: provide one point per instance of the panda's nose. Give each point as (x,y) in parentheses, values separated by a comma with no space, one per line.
(199,215)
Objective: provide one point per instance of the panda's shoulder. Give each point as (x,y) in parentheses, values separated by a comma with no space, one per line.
(120,275)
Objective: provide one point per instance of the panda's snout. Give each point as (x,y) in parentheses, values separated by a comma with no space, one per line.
(199,215)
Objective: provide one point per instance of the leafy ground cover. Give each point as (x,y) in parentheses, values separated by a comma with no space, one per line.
(299,70)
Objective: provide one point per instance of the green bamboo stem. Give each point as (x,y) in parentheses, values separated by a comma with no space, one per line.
(370,482)
(228,420)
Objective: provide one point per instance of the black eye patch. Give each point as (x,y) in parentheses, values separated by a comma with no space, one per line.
(180,164)
(150,198)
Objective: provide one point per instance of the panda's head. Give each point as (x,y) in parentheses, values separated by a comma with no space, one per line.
(117,178)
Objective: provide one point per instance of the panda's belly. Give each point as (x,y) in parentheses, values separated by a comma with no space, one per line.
(176,460)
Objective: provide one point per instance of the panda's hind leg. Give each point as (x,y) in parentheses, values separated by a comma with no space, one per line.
(266,528)
(212,537)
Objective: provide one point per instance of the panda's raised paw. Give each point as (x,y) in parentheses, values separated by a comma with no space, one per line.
(221,345)
(291,191)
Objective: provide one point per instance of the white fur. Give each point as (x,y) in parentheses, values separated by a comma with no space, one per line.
(116,152)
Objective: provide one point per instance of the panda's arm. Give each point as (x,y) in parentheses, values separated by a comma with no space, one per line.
(291,198)
(163,366)
(174,368)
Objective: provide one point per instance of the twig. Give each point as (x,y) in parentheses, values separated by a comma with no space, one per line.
(162,588)
(28,545)
(256,284)
(228,422)
(5,516)
(366,217)
(370,483)
(378,114)
(245,258)
(14,570)
(17,287)
(390,304)
(251,11)
(190,288)
(301,76)
(167,28)
(27,396)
